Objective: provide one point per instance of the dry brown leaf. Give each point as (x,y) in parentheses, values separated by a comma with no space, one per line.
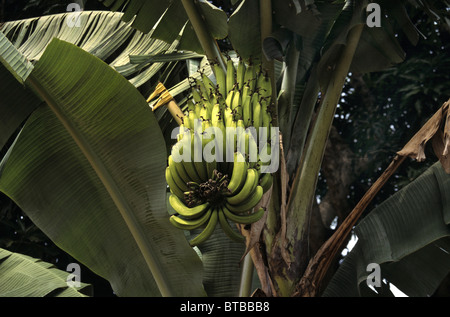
(440,147)
(415,148)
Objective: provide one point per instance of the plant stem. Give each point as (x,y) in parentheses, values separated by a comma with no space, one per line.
(286,99)
(245,287)
(207,42)
(304,185)
(312,281)
(305,182)
(265,13)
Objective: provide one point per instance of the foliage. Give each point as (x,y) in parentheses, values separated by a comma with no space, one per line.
(316,44)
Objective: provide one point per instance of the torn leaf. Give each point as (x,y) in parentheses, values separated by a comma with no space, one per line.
(415,148)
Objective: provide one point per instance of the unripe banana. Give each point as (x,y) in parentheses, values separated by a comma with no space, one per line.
(216,113)
(257,115)
(244,219)
(172,185)
(183,210)
(190,224)
(240,74)
(247,110)
(196,95)
(180,170)
(248,205)
(239,174)
(264,86)
(204,92)
(237,100)
(198,109)
(249,186)
(200,167)
(209,85)
(188,164)
(226,227)
(230,96)
(231,75)
(221,78)
(266,117)
(266,181)
(250,76)
(208,231)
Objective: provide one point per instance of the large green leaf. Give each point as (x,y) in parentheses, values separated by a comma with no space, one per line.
(244,30)
(24,276)
(169,20)
(88,169)
(221,261)
(408,235)
(101,33)
(16,102)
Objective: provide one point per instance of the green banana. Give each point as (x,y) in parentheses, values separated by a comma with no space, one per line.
(237,100)
(247,110)
(190,224)
(215,114)
(196,146)
(249,186)
(249,204)
(240,137)
(179,168)
(246,219)
(177,179)
(251,148)
(266,119)
(172,185)
(221,78)
(230,96)
(188,164)
(240,74)
(226,227)
(196,95)
(266,181)
(208,231)
(257,115)
(209,85)
(264,85)
(250,76)
(183,210)
(203,90)
(239,173)
(231,75)
(198,109)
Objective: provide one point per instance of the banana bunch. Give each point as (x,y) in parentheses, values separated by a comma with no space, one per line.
(228,184)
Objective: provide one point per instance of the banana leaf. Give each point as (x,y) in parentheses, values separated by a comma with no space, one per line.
(408,235)
(169,19)
(221,263)
(88,169)
(246,17)
(17,102)
(101,33)
(24,276)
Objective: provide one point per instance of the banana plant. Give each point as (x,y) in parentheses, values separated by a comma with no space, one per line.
(319,43)
(87,165)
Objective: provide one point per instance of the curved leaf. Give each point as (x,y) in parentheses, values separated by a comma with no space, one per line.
(17,102)
(170,20)
(101,33)
(24,276)
(221,262)
(246,17)
(89,171)
(408,235)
